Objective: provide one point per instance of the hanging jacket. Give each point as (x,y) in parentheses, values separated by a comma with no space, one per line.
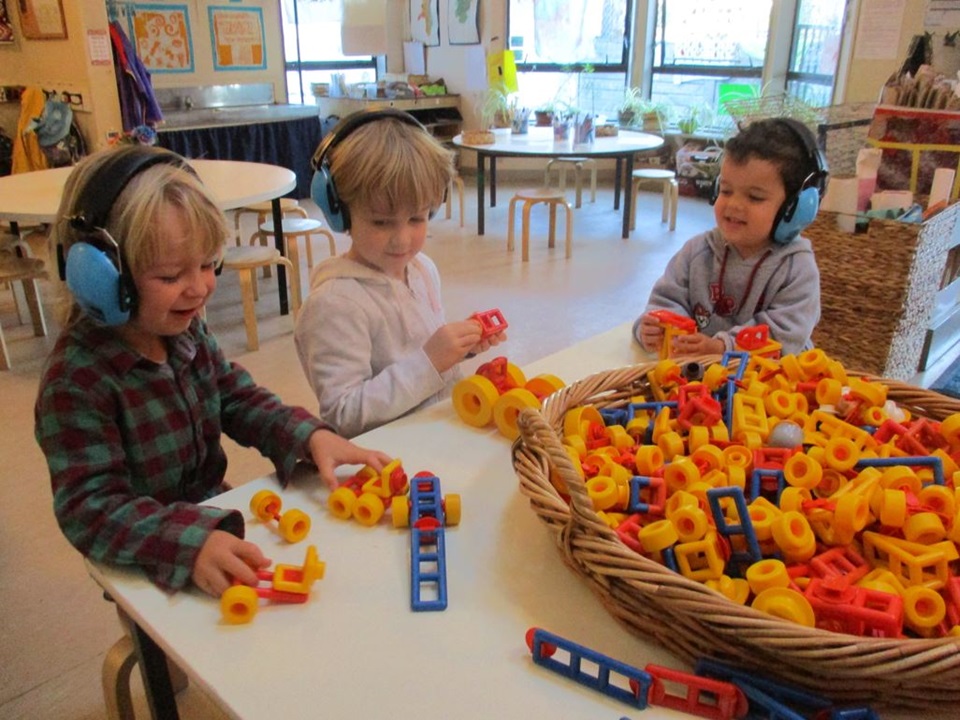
(138,104)
(27,153)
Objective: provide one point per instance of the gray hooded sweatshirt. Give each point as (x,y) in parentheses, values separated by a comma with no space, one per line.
(360,337)
(708,281)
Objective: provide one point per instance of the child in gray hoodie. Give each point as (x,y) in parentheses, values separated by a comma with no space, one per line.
(754,267)
(371,335)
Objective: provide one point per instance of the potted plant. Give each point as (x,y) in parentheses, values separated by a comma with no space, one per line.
(544,114)
(497,110)
(631,107)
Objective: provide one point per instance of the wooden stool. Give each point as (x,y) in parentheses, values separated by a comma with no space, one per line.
(579,163)
(295,228)
(264,210)
(246,260)
(529,198)
(458,181)
(26,270)
(671,193)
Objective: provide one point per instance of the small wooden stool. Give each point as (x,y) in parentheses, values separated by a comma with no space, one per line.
(671,193)
(246,260)
(264,210)
(458,182)
(579,163)
(25,270)
(529,198)
(295,228)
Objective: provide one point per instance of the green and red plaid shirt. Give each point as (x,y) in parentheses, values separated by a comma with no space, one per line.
(133,446)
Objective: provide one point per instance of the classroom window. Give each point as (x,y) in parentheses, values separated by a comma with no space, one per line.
(573,52)
(312,49)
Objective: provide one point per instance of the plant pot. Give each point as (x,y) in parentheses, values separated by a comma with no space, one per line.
(626,117)
(543,119)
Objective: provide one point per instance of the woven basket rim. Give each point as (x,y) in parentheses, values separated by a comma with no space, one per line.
(591,548)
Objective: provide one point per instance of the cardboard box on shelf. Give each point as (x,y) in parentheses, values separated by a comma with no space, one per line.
(698,164)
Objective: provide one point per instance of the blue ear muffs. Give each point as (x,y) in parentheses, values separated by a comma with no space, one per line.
(93,266)
(323,189)
(795,215)
(99,287)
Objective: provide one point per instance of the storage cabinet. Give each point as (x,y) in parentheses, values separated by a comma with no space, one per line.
(440,114)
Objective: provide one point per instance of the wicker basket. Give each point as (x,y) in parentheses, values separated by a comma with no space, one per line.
(693,621)
(878,289)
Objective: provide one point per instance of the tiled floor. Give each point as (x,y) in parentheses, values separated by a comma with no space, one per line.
(54,625)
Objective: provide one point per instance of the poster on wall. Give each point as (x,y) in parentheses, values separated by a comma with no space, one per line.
(236,35)
(161,34)
(42,19)
(463,24)
(424,21)
(6,29)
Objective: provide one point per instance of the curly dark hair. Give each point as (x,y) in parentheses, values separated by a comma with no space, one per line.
(775,141)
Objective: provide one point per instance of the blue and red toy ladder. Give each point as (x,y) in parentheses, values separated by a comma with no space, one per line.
(428,558)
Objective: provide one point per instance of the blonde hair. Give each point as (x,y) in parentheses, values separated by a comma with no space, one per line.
(391,164)
(134,216)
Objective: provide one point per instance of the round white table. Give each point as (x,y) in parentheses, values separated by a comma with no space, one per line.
(539,142)
(34,197)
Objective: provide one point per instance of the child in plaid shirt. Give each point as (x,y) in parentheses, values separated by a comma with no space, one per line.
(137,393)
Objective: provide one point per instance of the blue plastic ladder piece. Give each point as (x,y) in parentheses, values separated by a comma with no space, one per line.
(932,460)
(428,547)
(782,692)
(425,499)
(635,696)
(738,558)
(756,480)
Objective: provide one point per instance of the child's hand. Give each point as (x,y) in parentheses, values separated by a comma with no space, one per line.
(329,450)
(697,344)
(451,343)
(224,558)
(651,333)
(488,343)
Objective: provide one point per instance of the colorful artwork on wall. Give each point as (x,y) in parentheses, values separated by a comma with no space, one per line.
(463,24)
(6,29)
(424,21)
(161,34)
(237,37)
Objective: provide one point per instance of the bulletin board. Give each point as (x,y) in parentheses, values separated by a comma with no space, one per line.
(161,34)
(237,38)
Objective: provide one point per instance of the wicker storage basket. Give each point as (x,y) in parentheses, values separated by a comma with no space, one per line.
(878,289)
(690,619)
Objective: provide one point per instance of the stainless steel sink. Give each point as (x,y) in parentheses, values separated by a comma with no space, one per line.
(236,115)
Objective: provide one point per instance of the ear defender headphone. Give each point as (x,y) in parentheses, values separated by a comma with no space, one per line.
(93,267)
(800,208)
(323,190)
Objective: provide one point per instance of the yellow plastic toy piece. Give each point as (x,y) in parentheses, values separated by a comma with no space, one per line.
(950,430)
(473,398)
(762,515)
(790,367)
(830,427)
(780,404)
(379,483)
(892,507)
(719,433)
(699,560)
(672,444)
(603,492)
(293,525)
(577,445)
(296,578)
(657,536)
(341,502)
(691,523)
(637,426)
(710,456)
(738,456)
(871,393)
(767,573)
(813,363)
(662,424)
(923,609)
(901,477)
(648,459)
(841,454)
(577,419)
(714,376)
(801,471)
(828,392)
(698,436)
(850,517)
(911,563)
(925,528)
(507,409)
(734,589)
(611,519)
(679,499)
(452,510)
(400,512)
(883,580)
(794,537)
(619,437)
(786,604)
(239,604)
(368,509)
(792,498)
(949,465)
(543,385)
(749,416)
(680,474)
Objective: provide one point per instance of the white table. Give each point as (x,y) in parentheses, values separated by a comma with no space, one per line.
(35,196)
(539,142)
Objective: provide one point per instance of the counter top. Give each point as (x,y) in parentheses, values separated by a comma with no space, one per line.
(236,115)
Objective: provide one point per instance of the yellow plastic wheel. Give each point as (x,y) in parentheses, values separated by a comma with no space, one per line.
(265,505)
(576,418)
(368,509)
(451,510)
(400,512)
(516,376)
(239,604)
(543,385)
(507,409)
(786,604)
(473,399)
(313,567)
(294,525)
(341,502)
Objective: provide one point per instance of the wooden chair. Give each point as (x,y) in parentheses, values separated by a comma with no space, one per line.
(25,270)
(264,210)
(667,179)
(295,228)
(458,182)
(579,165)
(246,261)
(529,198)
